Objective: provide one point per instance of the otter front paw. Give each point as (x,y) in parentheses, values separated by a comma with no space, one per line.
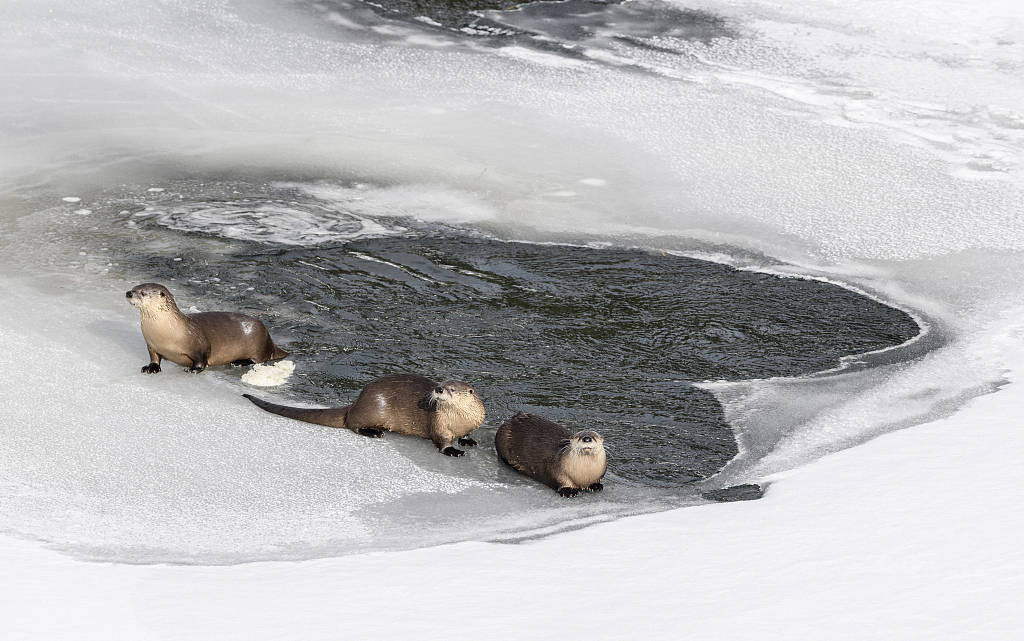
(371,432)
(451,451)
(595,487)
(468,442)
(195,369)
(568,492)
(152,368)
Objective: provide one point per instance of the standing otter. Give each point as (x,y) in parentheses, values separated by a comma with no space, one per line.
(402,403)
(567,463)
(196,341)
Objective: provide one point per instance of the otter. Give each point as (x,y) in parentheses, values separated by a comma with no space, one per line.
(198,341)
(567,463)
(405,404)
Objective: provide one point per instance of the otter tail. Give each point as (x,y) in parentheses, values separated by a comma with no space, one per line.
(329,416)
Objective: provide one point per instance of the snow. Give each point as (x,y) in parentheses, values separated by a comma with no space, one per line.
(876,144)
(105,463)
(269,374)
(913,535)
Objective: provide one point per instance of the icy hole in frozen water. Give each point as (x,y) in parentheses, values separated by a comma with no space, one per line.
(597,336)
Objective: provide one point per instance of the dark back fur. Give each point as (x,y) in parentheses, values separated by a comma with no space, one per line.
(532,444)
(396,403)
(228,340)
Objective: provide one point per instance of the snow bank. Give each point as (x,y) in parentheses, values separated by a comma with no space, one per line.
(913,535)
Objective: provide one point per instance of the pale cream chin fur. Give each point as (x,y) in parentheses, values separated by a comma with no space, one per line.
(582,468)
(152,307)
(162,322)
(463,410)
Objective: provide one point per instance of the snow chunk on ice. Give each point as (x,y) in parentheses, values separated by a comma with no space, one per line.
(269,374)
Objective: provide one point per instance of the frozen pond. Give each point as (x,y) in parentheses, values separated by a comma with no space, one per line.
(655,220)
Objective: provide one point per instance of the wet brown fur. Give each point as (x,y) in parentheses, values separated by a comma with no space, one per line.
(400,403)
(198,340)
(551,454)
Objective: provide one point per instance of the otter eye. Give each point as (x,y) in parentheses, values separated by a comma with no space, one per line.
(162,295)
(470,391)
(439,390)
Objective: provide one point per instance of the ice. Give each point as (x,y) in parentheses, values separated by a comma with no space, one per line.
(909,536)
(178,467)
(540,58)
(133,465)
(432,203)
(853,64)
(874,144)
(429,21)
(269,222)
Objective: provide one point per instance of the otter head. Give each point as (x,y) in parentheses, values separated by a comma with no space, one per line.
(456,397)
(586,443)
(583,459)
(151,298)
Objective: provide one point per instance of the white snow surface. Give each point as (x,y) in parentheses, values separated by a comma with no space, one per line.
(872,143)
(269,374)
(914,535)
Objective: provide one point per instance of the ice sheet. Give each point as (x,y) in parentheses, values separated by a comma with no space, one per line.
(110,464)
(873,143)
(910,536)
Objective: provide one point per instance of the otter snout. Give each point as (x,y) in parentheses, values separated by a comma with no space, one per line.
(587,442)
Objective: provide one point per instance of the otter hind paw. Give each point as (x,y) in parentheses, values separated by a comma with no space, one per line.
(152,368)
(466,441)
(568,492)
(451,451)
(595,487)
(371,432)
